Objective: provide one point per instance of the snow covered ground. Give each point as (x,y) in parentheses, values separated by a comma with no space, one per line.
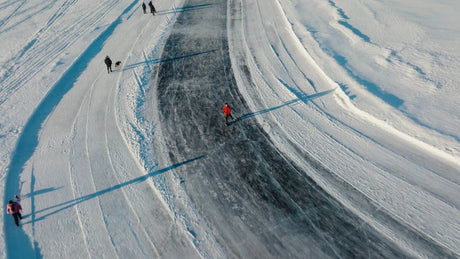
(345,143)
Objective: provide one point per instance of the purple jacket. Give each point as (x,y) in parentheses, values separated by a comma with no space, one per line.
(13,208)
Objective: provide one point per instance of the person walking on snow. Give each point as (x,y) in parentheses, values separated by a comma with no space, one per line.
(144,7)
(108,63)
(227,112)
(15,209)
(152,8)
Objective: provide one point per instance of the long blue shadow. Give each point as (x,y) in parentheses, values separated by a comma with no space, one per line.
(71,203)
(32,207)
(356,31)
(185,9)
(348,25)
(28,140)
(162,60)
(339,10)
(304,98)
(42,191)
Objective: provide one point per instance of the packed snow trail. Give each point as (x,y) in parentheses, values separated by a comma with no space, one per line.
(95,198)
(255,200)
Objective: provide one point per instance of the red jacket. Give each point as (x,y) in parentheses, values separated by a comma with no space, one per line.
(227,110)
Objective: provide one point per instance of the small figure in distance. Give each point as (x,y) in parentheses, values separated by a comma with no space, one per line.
(108,63)
(227,112)
(152,8)
(15,209)
(144,7)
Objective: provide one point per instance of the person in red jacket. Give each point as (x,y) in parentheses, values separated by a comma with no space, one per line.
(228,112)
(15,209)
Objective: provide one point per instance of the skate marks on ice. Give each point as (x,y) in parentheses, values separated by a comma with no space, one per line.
(256,201)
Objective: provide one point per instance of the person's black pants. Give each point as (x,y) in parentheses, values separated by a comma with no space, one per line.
(17,217)
(227,116)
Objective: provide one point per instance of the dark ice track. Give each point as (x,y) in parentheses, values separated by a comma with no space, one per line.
(257,202)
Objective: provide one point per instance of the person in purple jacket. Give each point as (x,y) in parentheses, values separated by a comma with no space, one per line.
(15,209)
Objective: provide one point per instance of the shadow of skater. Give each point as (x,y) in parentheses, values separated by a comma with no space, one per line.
(302,98)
